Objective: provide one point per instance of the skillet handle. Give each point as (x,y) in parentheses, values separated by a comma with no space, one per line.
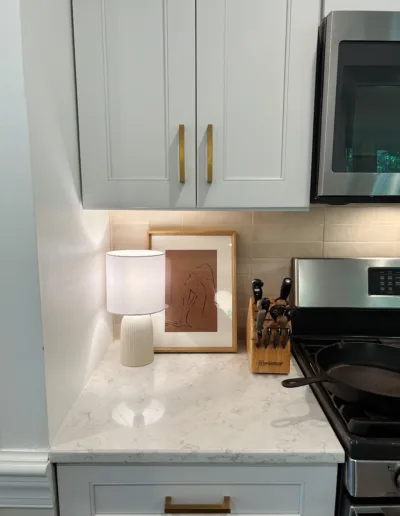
(290,383)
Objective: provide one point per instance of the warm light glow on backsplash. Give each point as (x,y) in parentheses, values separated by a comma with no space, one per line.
(268,239)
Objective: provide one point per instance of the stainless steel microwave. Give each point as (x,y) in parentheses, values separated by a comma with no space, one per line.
(357,109)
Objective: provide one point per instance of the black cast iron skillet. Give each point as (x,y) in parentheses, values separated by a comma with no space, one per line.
(359,372)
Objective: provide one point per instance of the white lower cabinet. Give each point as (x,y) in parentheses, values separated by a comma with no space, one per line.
(142,489)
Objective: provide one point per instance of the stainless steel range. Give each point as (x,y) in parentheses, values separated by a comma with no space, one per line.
(353,301)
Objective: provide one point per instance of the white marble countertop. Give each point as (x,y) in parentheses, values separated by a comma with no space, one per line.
(194,408)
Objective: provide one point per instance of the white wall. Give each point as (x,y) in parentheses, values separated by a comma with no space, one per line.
(71,242)
(23,421)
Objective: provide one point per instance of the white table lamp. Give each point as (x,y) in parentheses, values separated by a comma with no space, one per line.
(136,289)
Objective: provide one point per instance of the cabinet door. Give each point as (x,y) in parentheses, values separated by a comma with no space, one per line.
(135,67)
(255,87)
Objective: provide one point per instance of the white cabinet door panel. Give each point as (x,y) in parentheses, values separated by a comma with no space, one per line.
(85,490)
(135,62)
(258,97)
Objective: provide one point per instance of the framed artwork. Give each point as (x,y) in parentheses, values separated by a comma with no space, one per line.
(200,291)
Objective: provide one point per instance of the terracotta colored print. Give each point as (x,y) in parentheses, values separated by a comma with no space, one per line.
(191,284)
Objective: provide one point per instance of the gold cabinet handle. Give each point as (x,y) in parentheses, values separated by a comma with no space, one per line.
(176,508)
(181,153)
(209,153)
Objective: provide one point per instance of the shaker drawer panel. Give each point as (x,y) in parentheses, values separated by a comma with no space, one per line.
(132,489)
(150,499)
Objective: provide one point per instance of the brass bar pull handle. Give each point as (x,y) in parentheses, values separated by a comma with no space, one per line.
(209,153)
(181,153)
(176,508)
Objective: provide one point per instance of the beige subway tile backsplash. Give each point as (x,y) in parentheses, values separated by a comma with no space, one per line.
(358,249)
(217,218)
(148,217)
(267,240)
(299,232)
(243,266)
(364,215)
(287,250)
(315,216)
(362,233)
(129,236)
(243,290)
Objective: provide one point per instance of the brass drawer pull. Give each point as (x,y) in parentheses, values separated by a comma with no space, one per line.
(209,153)
(181,153)
(194,508)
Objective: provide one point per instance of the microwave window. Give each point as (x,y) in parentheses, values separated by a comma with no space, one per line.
(367,111)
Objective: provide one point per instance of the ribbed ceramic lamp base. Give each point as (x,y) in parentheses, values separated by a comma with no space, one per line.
(136,340)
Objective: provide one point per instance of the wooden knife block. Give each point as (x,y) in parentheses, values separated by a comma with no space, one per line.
(266,360)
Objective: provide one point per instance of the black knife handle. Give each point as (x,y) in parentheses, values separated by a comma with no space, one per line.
(290,312)
(265,304)
(276,311)
(286,287)
(257,286)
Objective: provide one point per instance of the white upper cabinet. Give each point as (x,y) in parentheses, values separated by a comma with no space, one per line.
(238,73)
(255,87)
(135,67)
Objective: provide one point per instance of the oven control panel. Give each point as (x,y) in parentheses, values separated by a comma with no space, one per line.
(372,478)
(384,281)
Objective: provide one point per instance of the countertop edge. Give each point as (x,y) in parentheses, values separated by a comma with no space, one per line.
(182,457)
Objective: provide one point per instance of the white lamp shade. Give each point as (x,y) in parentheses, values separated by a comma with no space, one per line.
(135,282)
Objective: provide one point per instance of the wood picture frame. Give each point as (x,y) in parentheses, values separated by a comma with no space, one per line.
(202,240)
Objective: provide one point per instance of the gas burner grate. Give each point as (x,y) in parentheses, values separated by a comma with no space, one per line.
(364,424)
(357,421)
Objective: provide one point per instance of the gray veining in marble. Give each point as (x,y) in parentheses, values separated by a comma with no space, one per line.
(194,408)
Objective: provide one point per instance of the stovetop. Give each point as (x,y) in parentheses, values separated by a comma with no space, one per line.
(363,435)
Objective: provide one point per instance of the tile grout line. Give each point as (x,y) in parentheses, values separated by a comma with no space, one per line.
(323,232)
(251,242)
(111,245)
(111,232)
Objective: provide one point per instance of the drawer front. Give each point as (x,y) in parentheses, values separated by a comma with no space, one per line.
(253,499)
(142,489)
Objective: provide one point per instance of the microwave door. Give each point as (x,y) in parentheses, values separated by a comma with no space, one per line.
(360,123)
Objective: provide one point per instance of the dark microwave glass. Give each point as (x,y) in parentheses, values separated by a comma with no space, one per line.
(367,112)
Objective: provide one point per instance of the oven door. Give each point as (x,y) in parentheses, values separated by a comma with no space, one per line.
(373,510)
(359,147)
(355,506)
